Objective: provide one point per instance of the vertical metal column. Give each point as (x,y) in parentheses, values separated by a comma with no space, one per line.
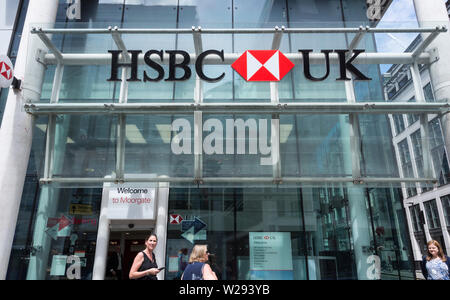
(102,243)
(161,225)
(355,138)
(355,146)
(50,139)
(424,131)
(198,115)
(358,217)
(123,98)
(275,121)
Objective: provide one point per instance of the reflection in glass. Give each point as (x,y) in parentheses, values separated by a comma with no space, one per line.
(85,146)
(325,226)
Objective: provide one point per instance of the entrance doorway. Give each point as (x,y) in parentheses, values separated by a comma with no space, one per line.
(128,244)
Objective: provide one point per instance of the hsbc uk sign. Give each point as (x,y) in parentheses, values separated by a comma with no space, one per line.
(252,65)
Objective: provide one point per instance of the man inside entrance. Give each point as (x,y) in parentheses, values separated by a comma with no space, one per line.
(115,265)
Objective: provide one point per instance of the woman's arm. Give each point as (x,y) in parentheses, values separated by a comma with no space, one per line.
(137,263)
(208,273)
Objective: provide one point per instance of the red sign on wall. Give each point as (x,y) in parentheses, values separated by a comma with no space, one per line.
(175,219)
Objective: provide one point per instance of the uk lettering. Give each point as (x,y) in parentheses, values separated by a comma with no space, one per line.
(184,72)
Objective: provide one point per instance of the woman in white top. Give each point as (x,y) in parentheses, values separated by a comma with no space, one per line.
(435,265)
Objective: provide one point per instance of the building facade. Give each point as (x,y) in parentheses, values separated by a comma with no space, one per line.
(427,207)
(295,178)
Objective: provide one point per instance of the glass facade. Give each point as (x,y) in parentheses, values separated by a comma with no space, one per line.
(446,204)
(407,167)
(324,230)
(438,152)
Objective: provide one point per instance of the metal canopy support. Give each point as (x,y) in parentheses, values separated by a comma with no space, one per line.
(76,59)
(57,80)
(355,137)
(198,115)
(302,180)
(49,147)
(198,45)
(277,37)
(45,39)
(117,37)
(120,161)
(198,146)
(198,107)
(424,128)
(428,41)
(358,37)
(234,30)
(365,58)
(275,159)
(51,126)
(240,108)
(123,98)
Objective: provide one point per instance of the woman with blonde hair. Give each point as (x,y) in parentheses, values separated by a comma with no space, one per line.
(198,269)
(435,265)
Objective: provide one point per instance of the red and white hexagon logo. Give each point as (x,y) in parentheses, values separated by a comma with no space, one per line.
(6,71)
(262,65)
(175,219)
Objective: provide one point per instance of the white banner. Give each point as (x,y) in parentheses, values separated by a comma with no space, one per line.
(131,201)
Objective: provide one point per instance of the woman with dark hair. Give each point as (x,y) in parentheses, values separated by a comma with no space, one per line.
(435,265)
(144,265)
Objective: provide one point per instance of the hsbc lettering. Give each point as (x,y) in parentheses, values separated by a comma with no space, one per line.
(173,65)
(252,65)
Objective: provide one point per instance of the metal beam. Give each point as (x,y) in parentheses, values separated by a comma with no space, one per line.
(120,146)
(426,148)
(233,30)
(429,39)
(424,128)
(417,83)
(366,58)
(49,147)
(277,36)
(197,35)
(358,37)
(238,108)
(117,37)
(88,59)
(46,40)
(57,80)
(198,144)
(317,180)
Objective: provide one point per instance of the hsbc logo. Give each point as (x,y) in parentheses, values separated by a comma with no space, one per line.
(252,65)
(175,219)
(262,65)
(6,71)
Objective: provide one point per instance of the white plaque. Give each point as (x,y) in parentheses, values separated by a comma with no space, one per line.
(131,201)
